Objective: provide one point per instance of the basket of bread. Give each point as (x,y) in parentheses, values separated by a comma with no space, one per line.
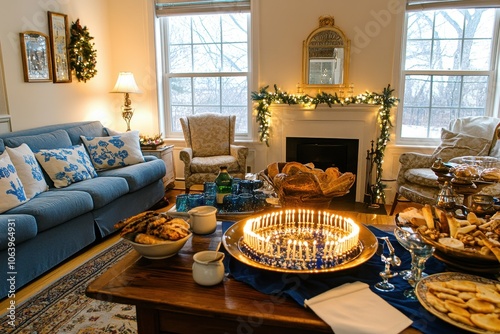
(469,243)
(155,235)
(303,185)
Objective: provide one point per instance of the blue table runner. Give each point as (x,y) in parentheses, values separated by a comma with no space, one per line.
(304,286)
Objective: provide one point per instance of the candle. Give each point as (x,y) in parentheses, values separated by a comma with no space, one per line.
(294,248)
(308,255)
(288,249)
(300,249)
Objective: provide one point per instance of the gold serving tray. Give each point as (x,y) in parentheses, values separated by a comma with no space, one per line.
(232,236)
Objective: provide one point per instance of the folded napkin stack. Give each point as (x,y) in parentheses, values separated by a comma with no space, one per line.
(354,308)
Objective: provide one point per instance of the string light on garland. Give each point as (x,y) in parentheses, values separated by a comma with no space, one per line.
(82,54)
(385,100)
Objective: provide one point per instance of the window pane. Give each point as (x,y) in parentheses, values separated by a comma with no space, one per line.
(418,54)
(180,91)
(206,91)
(417,90)
(476,55)
(420,25)
(415,122)
(446,91)
(180,59)
(206,29)
(446,54)
(234,91)
(481,23)
(235,57)
(207,59)
(449,24)
(177,112)
(475,91)
(234,28)
(179,30)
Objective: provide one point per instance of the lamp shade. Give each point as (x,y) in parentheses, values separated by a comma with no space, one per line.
(126,84)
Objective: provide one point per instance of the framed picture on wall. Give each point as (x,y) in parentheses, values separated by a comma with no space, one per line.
(35,52)
(59,39)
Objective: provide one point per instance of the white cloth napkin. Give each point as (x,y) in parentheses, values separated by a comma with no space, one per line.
(354,308)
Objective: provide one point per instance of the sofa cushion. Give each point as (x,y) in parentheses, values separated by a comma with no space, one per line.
(114,151)
(2,146)
(103,190)
(50,140)
(139,175)
(51,209)
(28,170)
(24,228)
(66,165)
(422,176)
(459,144)
(92,129)
(11,187)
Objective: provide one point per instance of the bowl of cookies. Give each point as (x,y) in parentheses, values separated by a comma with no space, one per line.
(155,235)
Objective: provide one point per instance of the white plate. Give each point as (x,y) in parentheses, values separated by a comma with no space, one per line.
(422,288)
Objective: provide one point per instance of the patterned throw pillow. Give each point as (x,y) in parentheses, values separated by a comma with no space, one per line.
(66,165)
(458,145)
(114,151)
(28,170)
(11,187)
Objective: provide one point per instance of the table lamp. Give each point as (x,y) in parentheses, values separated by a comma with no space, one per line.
(126,84)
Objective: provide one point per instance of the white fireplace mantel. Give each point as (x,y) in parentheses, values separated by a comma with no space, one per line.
(344,122)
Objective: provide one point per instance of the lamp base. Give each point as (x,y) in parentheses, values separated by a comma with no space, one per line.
(127,116)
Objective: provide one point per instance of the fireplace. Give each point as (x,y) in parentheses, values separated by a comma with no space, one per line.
(324,153)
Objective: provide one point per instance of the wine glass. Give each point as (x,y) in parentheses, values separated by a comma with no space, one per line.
(420,252)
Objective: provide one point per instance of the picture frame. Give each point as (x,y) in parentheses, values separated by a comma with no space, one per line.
(35,52)
(59,40)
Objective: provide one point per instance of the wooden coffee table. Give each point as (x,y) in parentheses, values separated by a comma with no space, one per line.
(167,299)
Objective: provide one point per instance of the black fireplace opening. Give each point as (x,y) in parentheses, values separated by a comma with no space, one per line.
(324,153)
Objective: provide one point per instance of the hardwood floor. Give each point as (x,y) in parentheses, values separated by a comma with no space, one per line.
(69,265)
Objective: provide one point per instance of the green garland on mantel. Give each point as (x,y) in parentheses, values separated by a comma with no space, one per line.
(385,100)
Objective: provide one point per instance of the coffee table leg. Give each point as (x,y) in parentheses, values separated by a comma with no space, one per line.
(147,321)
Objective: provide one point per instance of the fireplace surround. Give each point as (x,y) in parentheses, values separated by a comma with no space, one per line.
(357,122)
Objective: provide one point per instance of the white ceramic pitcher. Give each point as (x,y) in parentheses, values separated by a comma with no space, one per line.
(208,268)
(202,219)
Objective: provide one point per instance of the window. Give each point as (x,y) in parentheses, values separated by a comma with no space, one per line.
(450,65)
(206,67)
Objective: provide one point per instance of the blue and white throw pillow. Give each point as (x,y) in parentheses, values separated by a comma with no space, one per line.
(65,166)
(28,170)
(11,187)
(114,151)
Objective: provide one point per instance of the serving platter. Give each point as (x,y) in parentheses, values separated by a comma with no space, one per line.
(234,234)
(422,288)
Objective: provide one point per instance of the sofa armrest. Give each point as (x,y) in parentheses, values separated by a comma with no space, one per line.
(16,227)
(149,158)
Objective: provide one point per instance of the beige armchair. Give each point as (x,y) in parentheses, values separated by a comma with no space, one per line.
(210,144)
(475,135)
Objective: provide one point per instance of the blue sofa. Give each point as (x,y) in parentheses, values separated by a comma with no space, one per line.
(56,224)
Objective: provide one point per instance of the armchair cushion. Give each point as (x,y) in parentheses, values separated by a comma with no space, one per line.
(210,135)
(211,164)
(459,144)
(423,176)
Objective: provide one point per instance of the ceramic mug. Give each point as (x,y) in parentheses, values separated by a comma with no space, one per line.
(208,268)
(202,219)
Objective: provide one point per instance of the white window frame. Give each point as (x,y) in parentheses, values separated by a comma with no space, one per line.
(493,100)
(164,75)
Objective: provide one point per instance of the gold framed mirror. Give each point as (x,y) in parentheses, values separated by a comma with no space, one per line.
(326,53)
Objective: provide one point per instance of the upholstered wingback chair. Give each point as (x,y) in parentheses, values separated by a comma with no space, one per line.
(475,135)
(210,144)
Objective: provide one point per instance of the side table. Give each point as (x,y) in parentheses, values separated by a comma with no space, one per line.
(165,153)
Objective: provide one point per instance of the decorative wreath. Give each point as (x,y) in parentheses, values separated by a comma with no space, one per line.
(82,55)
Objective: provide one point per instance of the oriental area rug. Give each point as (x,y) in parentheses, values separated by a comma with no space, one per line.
(63,308)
